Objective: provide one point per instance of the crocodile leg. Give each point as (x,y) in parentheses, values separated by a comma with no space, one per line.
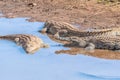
(117,47)
(90,46)
(82,43)
(60,34)
(45,46)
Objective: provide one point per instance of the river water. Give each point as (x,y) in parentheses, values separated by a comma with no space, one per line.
(15,64)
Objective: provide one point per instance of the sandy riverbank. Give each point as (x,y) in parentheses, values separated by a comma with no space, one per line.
(78,12)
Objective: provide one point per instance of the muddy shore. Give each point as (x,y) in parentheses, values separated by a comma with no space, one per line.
(81,13)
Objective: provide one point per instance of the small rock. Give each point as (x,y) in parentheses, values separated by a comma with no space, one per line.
(32,4)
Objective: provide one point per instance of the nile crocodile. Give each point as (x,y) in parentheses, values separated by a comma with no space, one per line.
(106,38)
(92,42)
(29,43)
(64,29)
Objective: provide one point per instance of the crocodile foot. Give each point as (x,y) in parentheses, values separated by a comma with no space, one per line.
(117,46)
(90,46)
(82,43)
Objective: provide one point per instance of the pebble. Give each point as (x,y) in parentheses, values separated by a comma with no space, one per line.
(32,4)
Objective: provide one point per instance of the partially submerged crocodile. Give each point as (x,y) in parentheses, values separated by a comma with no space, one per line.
(29,43)
(107,38)
(66,30)
(92,42)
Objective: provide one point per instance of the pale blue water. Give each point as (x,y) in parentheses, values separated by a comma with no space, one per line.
(15,64)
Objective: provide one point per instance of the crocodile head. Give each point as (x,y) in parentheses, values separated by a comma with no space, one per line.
(31,48)
(49,27)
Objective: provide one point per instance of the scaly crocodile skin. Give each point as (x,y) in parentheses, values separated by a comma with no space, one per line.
(29,43)
(106,38)
(89,43)
(67,30)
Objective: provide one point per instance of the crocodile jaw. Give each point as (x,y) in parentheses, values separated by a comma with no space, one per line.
(44,30)
(32,50)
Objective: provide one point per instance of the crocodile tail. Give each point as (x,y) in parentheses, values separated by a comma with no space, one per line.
(4,37)
(1,37)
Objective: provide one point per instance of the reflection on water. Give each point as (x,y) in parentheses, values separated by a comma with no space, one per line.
(106,54)
(15,64)
(1,14)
